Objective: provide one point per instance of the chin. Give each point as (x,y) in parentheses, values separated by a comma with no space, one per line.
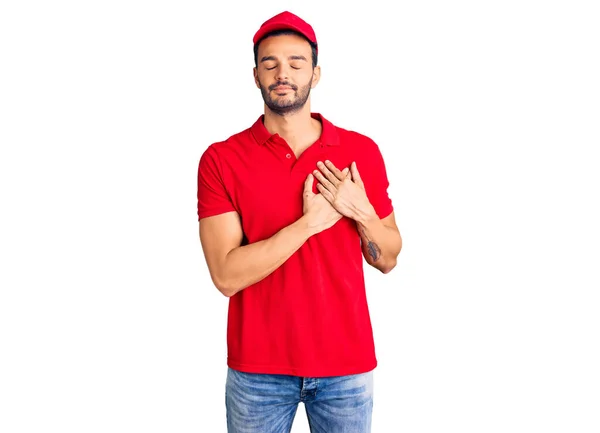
(284,106)
(284,102)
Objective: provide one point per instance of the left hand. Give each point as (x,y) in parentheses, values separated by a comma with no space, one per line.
(344,189)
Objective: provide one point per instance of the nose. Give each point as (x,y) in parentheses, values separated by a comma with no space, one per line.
(282,72)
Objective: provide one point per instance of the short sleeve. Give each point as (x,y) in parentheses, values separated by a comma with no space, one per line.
(376,181)
(213,198)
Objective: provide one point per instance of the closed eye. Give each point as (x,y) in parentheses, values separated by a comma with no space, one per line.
(273,67)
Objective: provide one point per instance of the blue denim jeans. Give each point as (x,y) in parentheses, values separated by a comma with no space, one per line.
(267,403)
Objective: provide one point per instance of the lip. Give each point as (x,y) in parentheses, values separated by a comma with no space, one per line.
(282,88)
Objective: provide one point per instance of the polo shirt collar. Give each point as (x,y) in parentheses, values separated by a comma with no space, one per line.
(329,135)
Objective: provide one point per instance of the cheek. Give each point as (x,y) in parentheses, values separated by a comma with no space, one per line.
(262,81)
(304,78)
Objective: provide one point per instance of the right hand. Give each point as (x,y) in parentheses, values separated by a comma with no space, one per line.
(320,214)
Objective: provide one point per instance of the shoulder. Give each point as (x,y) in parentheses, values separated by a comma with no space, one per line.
(358,140)
(215,156)
(363,148)
(232,144)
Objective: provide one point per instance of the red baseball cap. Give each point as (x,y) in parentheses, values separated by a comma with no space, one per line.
(286,21)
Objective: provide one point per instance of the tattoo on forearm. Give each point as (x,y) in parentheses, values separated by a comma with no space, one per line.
(372,248)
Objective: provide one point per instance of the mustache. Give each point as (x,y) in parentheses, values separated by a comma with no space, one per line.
(283,83)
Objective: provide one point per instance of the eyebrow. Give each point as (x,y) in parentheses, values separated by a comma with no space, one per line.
(267,58)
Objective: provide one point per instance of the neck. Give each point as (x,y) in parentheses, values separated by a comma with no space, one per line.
(298,129)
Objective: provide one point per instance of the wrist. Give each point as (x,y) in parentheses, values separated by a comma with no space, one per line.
(306,225)
(366,215)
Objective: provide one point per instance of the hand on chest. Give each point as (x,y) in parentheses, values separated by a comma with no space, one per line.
(268,187)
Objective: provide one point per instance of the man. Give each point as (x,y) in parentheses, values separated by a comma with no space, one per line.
(287,210)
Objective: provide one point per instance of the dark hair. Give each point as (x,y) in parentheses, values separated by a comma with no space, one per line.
(313,46)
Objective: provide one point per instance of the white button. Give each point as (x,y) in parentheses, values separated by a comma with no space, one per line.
(288,156)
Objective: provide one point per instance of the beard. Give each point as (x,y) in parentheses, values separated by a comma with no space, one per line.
(289,103)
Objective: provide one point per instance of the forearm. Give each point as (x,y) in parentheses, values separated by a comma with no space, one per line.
(249,264)
(380,244)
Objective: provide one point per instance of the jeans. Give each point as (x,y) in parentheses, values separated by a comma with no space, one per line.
(267,403)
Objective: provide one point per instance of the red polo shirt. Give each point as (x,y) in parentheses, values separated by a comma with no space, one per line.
(310,316)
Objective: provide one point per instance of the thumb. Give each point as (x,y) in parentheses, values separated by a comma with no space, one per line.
(308,185)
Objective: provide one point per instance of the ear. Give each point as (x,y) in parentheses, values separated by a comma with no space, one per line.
(255,72)
(316,76)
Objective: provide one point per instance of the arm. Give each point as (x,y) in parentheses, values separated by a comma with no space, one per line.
(234,267)
(381,241)
(380,238)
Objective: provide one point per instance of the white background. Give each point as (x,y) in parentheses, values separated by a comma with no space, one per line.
(487,114)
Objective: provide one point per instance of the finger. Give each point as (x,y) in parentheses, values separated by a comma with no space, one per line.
(324,181)
(328,196)
(308,185)
(355,174)
(328,174)
(346,173)
(338,174)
